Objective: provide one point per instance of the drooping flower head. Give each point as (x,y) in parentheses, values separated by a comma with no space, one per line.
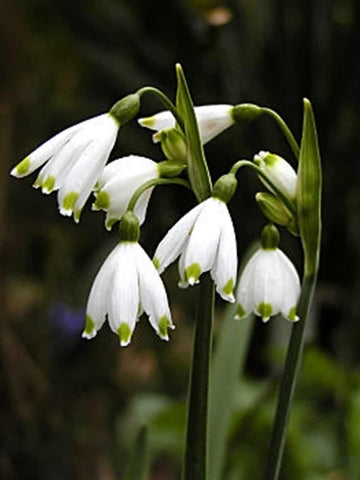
(269,283)
(117,184)
(126,285)
(205,241)
(72,160)
(212,120)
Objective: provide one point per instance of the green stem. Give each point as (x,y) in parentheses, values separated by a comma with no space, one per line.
(195,466)
(151,183)
(165,101)
(287,387)
(284,128)
(246,163)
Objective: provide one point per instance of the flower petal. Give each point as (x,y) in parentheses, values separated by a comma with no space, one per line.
(45,151)
(153,294)
(173,243)
(87,169)
(124,294)
(245,289)
(204,239)
(224,269)
(212,120)
(268,284)
(292,286)
(97,306)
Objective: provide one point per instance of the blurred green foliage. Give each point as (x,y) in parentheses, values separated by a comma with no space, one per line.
(71,409)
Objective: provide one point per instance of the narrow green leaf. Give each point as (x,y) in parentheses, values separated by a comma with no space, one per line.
(139,461)
(228,363)
(197,167)
(229,358)
(309,192)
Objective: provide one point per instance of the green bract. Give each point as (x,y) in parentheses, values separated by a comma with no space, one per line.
(309,192)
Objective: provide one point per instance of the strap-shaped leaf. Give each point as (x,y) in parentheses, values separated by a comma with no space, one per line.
(139,461)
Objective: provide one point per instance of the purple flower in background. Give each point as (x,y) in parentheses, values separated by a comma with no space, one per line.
(66,319)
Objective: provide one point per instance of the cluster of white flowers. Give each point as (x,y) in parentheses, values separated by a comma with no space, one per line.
(73,162)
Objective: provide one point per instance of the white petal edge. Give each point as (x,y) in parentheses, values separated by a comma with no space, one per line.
(225,265)
(172,244)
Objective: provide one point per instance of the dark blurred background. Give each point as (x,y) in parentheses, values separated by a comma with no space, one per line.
(69,408)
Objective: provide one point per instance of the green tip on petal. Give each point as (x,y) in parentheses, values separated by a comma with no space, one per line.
(147,122)
(89,330)
(102,201)
(192,273)
(265,310)
(22,168)
(70,200)
(77,215)
(48,184)
(156,263)
(229,287)
(38,182)
(240,312)
(164,324)
(292,315)
(124,333)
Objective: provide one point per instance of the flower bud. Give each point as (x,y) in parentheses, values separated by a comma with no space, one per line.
(170,168)
(275,211)
(126,108)
(172,143)
(279,171)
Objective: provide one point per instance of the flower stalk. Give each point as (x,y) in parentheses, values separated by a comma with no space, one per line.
(196,452)
(309,216)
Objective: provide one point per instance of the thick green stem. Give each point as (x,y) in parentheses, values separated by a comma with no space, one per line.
(287,387)
(285,129)
(195,466)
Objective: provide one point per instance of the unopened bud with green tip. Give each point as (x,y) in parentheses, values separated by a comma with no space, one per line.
(225,187)
(245,112)
(129,228)
(173,144)
(279,172)
(275,211)
(170,168)
(125,109)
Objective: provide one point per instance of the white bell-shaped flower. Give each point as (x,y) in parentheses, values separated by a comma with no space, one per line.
(212,120)
(72,161)
(205,240)
(279,171)
(119,181)
(126,285)
(268,285)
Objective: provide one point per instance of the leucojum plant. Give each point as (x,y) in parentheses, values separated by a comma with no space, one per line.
(74,163)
